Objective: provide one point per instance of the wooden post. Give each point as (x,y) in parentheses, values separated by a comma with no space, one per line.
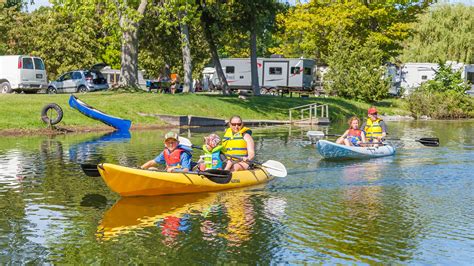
(327,110)
(310,115)
(290,117)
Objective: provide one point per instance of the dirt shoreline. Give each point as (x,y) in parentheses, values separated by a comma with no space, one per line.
(72,130)
(102,128)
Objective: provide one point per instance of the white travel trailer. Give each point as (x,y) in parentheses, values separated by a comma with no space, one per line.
(412,75)
(22,73)
(273,73)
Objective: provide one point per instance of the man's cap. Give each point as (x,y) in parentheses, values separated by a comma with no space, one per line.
(372,110)
(171,135)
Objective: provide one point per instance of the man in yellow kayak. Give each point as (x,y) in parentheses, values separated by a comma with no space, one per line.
(177,158)
(239,144)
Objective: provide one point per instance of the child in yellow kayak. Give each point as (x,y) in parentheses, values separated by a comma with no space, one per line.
(177,158)
(353,136)
(213,157)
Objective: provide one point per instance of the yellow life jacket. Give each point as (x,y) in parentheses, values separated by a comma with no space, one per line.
(234,144)
(212,159)
(373,129)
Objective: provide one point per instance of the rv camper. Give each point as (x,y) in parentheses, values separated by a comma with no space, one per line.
(412,75)
(273,73)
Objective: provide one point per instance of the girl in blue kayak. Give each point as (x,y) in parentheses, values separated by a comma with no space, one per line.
(353,136)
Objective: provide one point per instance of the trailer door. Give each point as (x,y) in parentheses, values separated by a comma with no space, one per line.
(275,73)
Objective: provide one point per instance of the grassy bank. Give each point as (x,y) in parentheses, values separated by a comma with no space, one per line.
(22,111)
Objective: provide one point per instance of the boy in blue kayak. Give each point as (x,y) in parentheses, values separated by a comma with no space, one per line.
(176,157)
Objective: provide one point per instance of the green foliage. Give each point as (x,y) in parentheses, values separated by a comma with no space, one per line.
(307,29)
(444,33)
(443,97)
(355,71)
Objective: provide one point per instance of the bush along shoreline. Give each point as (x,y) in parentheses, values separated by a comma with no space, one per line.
(443,97)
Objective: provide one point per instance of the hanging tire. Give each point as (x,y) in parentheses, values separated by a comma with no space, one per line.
(51,114)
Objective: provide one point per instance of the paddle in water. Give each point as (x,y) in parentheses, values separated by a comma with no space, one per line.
(274,168)
(427,141)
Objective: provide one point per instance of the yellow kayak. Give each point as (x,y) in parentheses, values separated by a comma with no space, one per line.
(128,181)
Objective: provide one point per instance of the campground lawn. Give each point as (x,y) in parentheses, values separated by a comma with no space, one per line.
(23,111)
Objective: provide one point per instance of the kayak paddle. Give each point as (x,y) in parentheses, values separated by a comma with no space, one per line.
(215,175)
(431,142)
(274,168)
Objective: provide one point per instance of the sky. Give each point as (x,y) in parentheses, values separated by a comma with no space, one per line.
(39,3)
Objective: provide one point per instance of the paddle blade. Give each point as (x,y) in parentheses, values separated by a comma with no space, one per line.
(275,168)
(431,142)
(315,134)
(184,141)
(90,170)
(217,176)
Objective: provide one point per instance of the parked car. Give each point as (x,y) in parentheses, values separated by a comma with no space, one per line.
(80,81)
(22,73)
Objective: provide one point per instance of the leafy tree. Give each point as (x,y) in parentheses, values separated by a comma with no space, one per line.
(355,71)
(254,17)
(63,39)
(444,33)
(211,14)
(307,29)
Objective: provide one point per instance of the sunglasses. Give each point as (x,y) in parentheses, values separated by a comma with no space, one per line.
(236,124)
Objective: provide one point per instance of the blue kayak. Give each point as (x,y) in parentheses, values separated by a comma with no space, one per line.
(331,150)
(85,109)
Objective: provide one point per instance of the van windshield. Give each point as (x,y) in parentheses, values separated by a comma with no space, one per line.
(39,65)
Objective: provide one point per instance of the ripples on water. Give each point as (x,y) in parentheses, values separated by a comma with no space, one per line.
(414,207)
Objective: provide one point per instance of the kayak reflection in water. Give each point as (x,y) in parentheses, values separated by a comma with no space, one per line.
(238,143)
(353,136)
(176,157)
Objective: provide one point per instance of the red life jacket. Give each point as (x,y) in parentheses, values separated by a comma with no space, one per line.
(355,133)
(173,158)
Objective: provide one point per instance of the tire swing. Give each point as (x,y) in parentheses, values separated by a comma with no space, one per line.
(51,114)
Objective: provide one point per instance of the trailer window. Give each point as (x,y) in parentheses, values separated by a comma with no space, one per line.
(229,70)
(27,63)
(295,70)
(275,71)
(39,64)
(424,77)
(307,71)
(470,77)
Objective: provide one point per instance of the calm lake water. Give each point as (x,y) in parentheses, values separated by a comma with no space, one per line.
(416,207)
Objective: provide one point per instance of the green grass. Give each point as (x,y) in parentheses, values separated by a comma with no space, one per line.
(23,111)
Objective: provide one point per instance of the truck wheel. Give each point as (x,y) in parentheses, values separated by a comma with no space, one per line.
(52,114)
(5,87)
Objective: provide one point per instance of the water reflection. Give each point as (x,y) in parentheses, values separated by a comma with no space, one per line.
(89,151)
(228,218)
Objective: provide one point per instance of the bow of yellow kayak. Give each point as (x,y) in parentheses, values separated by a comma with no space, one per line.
(128,181)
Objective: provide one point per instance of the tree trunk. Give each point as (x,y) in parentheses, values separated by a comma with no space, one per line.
(186,51)
(129,65)
(215,56)
(253,62)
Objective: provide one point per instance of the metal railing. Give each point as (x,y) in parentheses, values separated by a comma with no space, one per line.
(313,110)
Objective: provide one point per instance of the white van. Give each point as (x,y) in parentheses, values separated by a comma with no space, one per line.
(22,73)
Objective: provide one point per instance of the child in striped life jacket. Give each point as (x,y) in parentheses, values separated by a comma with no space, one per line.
(353,136)
(213,157)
